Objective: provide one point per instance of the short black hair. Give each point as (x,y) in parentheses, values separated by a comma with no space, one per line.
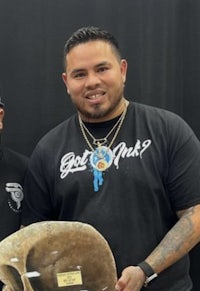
(91,33)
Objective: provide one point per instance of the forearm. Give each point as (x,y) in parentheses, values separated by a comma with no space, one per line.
(178,241)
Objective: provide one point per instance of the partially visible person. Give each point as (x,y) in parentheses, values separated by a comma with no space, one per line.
(130,170)
(12,170)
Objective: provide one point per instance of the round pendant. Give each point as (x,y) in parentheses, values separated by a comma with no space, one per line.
(101,159)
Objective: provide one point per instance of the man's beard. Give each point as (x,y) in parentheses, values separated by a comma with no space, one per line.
(98,112)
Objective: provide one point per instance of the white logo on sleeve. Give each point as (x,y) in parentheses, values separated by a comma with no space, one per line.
(16,195)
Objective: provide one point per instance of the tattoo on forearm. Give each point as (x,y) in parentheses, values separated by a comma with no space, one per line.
(178,241)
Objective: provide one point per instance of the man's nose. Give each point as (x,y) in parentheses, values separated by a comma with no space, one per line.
(92,80)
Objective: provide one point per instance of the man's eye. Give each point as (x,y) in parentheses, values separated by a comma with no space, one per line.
(79,75)
(102,69)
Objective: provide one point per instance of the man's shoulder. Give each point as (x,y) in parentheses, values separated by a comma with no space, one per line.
(57,133)
(155,113)
(161,121)
(11,159)
(10,154)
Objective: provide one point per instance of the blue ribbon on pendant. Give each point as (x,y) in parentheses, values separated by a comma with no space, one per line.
(101,159)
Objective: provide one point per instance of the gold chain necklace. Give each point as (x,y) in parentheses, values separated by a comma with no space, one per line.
(101,157)
(99,142)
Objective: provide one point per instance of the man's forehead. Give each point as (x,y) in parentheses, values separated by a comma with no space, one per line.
(90,54)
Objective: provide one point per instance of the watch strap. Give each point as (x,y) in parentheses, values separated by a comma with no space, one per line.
(148,271)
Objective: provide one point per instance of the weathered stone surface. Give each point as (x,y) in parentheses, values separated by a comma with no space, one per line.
(42,256)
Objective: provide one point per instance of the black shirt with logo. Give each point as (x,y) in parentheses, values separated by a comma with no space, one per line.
(132,203)
(12,170)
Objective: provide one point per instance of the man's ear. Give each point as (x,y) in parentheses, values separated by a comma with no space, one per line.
(64,77)
(124,66)
(1,117)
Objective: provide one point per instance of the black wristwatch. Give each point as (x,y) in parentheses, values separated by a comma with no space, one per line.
(148,271)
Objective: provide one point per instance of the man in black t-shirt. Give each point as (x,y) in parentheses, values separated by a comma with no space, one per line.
(12,170)
(130,170)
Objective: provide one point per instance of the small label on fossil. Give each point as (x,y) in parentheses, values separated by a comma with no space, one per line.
(69,279)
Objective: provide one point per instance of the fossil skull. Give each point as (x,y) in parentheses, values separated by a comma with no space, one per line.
(57,256)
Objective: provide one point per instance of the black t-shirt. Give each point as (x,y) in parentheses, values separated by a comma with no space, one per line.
(154,173)
(12,170)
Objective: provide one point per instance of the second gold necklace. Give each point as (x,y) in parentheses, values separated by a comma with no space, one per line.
(101,157)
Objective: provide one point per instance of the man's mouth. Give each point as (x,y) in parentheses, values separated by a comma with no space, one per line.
(95,96)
